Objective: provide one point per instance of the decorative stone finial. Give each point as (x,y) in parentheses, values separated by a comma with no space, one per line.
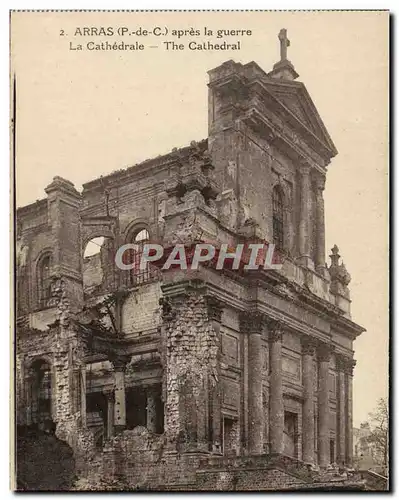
(334,256)
(338,272)
(344,275)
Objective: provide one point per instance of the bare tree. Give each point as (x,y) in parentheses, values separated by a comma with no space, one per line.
(378,437)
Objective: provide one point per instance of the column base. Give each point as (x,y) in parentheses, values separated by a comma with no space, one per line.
(216,449)
(323,271)
(256,452)
(332,468)
(119,428)
(194,448)
(312,466)
(306,261)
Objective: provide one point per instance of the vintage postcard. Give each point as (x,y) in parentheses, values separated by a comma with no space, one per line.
(201,250)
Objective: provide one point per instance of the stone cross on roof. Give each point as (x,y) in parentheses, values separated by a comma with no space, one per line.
(283,68)
(284,43)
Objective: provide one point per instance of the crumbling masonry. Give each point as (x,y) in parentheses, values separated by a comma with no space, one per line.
(207,379)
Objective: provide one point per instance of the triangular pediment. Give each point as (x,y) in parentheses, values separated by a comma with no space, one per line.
(295,98)
(293,103)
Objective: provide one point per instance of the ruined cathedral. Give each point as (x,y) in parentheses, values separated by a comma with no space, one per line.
(193,379)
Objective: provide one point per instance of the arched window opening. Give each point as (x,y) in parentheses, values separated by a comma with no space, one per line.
(278,218)
(44,280)
(41,392)
(142,237)
(139,276)
(98,265)
(93,247)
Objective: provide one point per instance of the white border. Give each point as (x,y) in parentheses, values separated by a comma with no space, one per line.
(4,171)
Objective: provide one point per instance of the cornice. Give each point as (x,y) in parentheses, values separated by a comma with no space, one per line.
(143,168)
(289,394)
(41,228)
(237,80)
(311,302)
(32,208)
(211,279)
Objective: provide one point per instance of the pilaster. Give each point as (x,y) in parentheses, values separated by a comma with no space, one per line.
(324,355)
(308,432)
(63,214)
(275,329)
(191,366)
(215,309)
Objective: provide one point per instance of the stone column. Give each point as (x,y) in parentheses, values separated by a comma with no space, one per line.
(29,398)
(215,309)
(308,431)
(76,390)
(304,221)
(320,227)
(34,398)
(349,412)
(82,388)
(120,394)
(341,411)
(20,392)
(252,326)
(276,421)
(110,397)
(324,354)
(151,411)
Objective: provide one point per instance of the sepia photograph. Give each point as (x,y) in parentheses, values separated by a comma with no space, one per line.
(200,251)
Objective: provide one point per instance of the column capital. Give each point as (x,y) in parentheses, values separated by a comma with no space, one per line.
(168,311)
(120,362)
(341,362)
(109,394)
(308,345)
(275,328)
(320,183)
(304,168)
(252,322)
(324,352)
(349,366)
(215,309)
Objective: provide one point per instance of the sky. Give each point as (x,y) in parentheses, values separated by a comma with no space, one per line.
(82,114)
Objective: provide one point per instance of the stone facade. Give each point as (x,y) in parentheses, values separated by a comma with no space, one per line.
(195,379)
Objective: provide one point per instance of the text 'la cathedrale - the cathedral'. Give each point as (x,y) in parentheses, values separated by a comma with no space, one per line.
(192,379)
